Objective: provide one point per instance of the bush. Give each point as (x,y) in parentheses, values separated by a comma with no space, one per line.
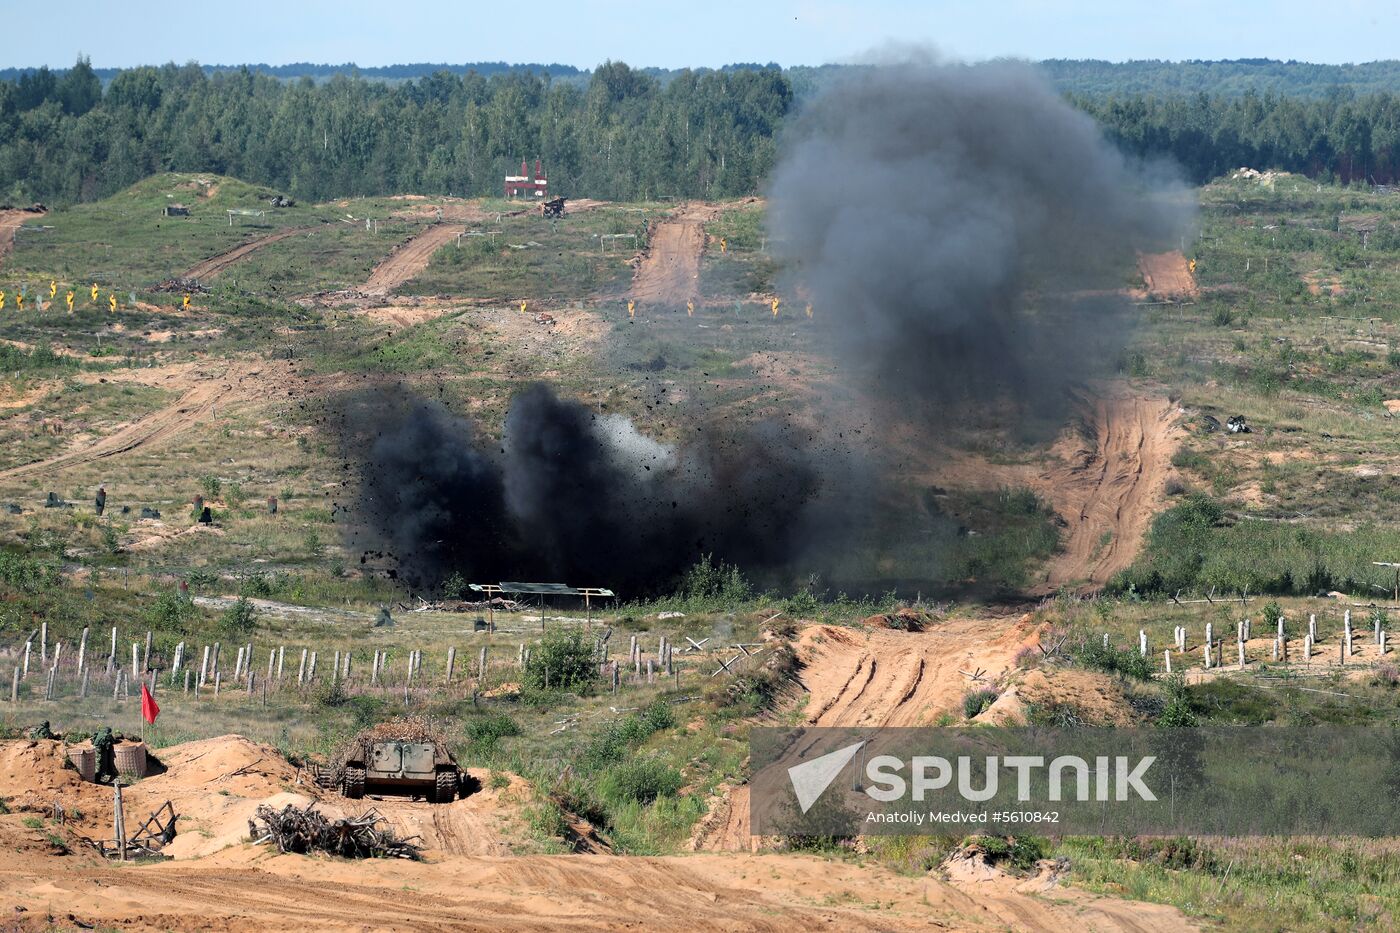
(1021,852)
(211,486)
(640,781)
(1177,712)
(26,574)
(240,618)
(171,611)
(615,739)
(562,660)
(976,701)
(708,582)
(1110,660)
(485,733)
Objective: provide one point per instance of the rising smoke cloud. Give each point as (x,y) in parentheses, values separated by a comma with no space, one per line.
(964,233)
(967,235)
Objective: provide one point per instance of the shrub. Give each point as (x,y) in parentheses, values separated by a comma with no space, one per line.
(1177,712)
(641,781)
(171,611)
(211,485)
(711,582)
(26,574)
(240,618)
(562,660)
(976,701)
(1021,852)
(485,733)
(1110,660)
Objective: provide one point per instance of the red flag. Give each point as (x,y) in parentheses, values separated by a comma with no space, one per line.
(149,710)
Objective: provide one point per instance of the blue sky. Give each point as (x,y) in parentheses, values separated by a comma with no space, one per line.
(585,32)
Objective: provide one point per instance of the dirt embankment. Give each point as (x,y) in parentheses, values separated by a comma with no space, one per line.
(1168,276)
(410,258)
(670,271)
(889,678)
(468,881)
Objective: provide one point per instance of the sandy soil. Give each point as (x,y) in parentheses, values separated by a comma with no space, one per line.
(204,388)
(1167,275)
(1106,480)
(410,258)
(670,271)
(890,678)
(216,264)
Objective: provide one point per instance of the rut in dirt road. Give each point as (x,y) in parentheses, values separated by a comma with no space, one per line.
(670,271)
(410,258)
(216,264)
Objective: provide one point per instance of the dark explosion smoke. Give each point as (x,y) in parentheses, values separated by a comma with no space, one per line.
(572,495)
(967,233)
(962,230)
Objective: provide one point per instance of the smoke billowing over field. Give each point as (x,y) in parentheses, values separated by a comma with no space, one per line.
(572,495)
(967,233)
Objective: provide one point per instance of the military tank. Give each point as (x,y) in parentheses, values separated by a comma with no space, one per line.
(403,758)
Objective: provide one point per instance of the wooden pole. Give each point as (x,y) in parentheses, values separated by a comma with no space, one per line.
(118,823)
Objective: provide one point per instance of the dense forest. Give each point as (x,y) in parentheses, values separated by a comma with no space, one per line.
(621,135)
(615,132)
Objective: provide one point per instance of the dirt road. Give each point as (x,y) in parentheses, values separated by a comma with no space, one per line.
(216,264)
(410,258)
(9,223)
(670,271)
(202,391)
(1106,480)
(1167,275)
(882,677)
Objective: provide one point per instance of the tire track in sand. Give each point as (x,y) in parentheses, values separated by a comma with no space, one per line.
(216,264)
(410,258)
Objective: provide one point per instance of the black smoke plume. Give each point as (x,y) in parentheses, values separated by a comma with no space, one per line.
(967,234)
(571,495)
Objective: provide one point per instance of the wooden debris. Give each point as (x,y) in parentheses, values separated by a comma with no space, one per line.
(302,830)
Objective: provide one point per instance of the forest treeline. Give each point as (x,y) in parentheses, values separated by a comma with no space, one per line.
(622,135)
(615,133)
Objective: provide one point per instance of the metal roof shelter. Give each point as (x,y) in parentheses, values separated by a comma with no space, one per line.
(541,590)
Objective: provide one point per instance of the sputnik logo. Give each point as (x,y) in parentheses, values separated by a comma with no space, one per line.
(811,778)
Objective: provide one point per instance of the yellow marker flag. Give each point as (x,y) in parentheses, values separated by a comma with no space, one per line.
(187,301)
(1193,265)
(2,301)
(522,307)
(775,303)
(809,310)
(631,308)
(69,296)
(690,309)
(94,293)
(19,301)
(723,244)
(112,301)
(53,288)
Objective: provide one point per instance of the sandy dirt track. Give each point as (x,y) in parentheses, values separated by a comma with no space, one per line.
(9,223)
(203,390)
(1167,275)
(410,258)
(1106,480)
(216,264)
(670,271)
(882,677)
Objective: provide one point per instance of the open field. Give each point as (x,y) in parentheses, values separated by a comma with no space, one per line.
(1289,322)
